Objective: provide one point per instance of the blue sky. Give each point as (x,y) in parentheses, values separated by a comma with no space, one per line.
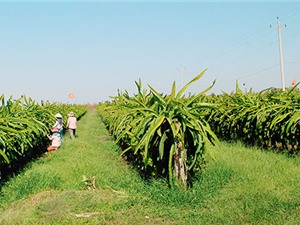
(51,49)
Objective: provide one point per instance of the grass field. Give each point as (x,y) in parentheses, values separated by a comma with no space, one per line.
(240,186)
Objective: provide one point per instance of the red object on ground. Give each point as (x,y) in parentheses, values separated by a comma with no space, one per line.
(51,148)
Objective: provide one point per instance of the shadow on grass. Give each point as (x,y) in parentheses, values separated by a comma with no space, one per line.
(8,171)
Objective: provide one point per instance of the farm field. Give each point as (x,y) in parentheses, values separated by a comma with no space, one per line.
(239,186)
(163,112)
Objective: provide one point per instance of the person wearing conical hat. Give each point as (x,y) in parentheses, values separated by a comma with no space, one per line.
(72,124)
(59,124)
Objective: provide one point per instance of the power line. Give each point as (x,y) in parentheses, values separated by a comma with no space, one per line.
(291,15)
(292,62)
(232,45)
(259,71)
(251,74)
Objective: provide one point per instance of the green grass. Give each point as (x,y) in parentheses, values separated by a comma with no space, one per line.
(241,186)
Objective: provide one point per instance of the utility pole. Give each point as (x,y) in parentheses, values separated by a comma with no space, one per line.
(280,53)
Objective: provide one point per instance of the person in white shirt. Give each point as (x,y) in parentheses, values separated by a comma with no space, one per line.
(55,138)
